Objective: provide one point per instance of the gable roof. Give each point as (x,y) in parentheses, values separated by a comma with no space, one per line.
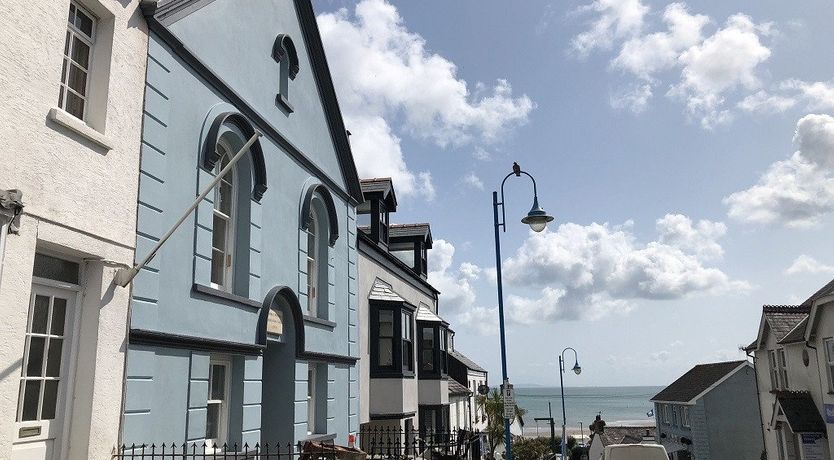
(799,410)
(161,14)
(786,322)
(421,230)
(622,435)
(698,381)
(424,313)
(383,185)
(383,291)
(472,365)
(826,290)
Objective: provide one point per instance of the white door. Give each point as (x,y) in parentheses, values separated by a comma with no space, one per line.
(43,380)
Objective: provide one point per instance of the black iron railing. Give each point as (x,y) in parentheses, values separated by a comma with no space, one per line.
(202,451)
(388,443)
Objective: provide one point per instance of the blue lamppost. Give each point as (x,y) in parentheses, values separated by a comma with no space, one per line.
(578,370)
(537,219)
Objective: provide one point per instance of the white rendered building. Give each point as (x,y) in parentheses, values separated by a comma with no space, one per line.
(73,86)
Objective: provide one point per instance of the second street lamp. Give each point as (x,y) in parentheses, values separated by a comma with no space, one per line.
(537,219)
(577,369)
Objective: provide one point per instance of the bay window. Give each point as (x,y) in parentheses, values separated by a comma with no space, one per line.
(434,345)
(391,339)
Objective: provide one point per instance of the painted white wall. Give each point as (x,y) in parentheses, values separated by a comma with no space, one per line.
(433,392)
(478,418)
(458,412)
(80,199)
(368,272)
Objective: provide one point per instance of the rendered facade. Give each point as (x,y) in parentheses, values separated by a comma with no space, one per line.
(793,354)
(710,413)
(244,327)
(72,108)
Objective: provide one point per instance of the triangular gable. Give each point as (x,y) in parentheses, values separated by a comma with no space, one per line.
(183,24)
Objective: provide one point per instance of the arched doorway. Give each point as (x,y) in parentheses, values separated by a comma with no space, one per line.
(281,329)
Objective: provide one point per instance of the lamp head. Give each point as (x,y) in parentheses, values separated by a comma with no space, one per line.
(537,218)
(577,369)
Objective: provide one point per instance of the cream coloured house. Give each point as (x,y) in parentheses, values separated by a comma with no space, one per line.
(73,87)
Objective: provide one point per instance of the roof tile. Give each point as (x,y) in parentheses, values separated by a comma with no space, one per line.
(694,382)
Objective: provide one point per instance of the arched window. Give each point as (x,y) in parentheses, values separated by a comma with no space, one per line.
(312,264)
(223,224)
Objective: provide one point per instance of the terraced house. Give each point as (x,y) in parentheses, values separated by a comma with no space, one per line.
(72,73)
(794,357)
(243,328)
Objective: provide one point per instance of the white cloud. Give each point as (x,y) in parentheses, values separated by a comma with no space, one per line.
(713,67)
(617,19)
(796,192)
(763,102)
(590,271)
(818,95)
(635,98)
(481,154)
(700,239)
(457,292)
(724,61)
(661,356)
(648,54)
(388,81)
(807,264)
(472,180)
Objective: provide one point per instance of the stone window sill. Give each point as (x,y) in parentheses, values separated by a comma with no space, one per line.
(319,321)
(210,291)
(79,127)
(320,437)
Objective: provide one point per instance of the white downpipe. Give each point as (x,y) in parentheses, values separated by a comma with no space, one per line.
(125,275)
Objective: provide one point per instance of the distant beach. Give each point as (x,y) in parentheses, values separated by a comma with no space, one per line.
(619,406)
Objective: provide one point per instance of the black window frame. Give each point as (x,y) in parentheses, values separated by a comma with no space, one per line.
(397,369)
(407,345)
(440,355)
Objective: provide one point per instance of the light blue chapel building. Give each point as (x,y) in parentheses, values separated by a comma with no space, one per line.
(243,328)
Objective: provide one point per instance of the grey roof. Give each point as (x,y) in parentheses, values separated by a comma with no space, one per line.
(456,388)
(782,319)
(383,291)
(623,435)
(406,230)
(424,313)
(382,185)
(694,382)
(797,334)
(466,361)
(800,411)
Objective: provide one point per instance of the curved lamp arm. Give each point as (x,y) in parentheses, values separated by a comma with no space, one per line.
(516,172)
(576,367)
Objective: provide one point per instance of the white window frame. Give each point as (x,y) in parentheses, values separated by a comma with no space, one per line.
(665,408)
(773,369)
(223,413)
(313,260)
(685,417)
(782,364)
(313,402)
(829,357)
(231,220)
(74,32)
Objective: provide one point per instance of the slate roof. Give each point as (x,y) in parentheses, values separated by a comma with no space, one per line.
(377,184)
(406,230)
(797,334)
(694,382)
(424,313)
(623,435)
(466,361)
(800,411)
(456,388)
(782,319)
(383,291)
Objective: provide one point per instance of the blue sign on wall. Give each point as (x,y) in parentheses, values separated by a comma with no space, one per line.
(829,413)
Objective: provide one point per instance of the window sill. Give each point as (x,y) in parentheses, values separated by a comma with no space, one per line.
(320,322)
(79,127)
(210,291)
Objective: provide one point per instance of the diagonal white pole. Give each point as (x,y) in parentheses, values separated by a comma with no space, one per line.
(125,275)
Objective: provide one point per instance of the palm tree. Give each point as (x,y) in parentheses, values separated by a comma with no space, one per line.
(493,406)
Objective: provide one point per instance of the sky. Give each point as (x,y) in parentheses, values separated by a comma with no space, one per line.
(686,151)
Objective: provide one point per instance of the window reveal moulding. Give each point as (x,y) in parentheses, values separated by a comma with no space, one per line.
(79,127)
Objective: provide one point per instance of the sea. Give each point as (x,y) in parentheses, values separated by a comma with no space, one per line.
(616,405)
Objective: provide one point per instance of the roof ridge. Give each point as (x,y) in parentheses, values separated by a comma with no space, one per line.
(786,308)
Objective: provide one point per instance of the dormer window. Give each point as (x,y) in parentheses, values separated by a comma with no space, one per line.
(383,222)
